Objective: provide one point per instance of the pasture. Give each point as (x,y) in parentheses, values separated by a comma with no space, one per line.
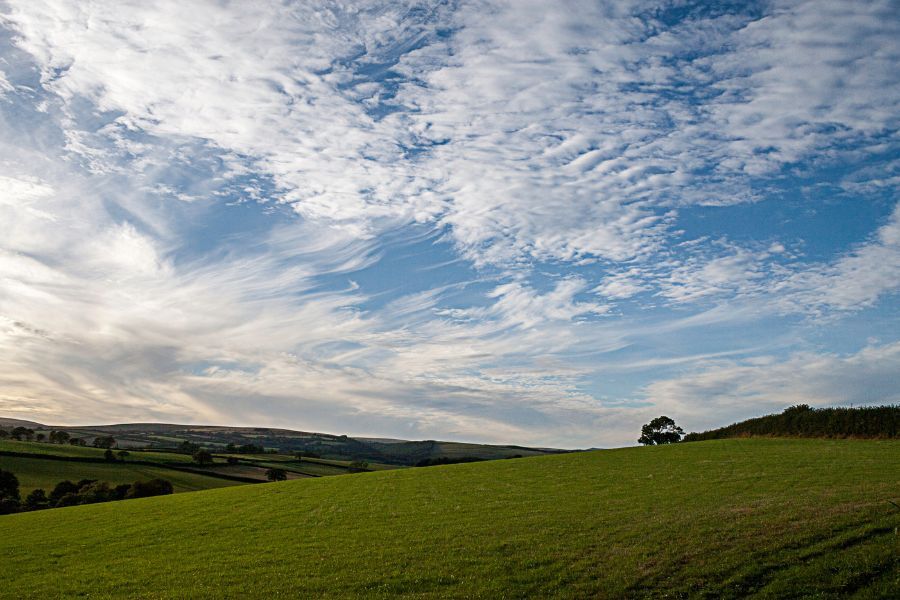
(780,518)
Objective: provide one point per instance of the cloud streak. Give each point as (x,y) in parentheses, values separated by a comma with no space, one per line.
(191,193)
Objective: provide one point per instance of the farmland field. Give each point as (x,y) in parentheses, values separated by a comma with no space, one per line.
(89,452)
(708,519)
(43,473)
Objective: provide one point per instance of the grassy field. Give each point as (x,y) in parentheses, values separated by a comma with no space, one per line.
(775,518)
(42,473)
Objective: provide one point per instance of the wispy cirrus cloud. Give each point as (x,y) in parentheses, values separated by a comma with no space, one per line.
(188,190)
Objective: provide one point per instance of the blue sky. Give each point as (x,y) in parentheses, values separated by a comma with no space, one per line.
(529,222)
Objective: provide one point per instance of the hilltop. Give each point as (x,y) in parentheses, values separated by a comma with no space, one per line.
(779,518)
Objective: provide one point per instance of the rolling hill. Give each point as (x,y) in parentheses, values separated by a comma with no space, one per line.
(287,441)
(730,518)
(43,465)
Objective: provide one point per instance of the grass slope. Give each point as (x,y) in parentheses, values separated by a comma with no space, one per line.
(781,518)
(35,473)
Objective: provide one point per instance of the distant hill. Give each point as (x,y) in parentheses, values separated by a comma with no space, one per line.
(6,422)
(882,422)
(761,518)
(287,441)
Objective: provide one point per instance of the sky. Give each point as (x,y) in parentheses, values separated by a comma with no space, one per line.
(528,222)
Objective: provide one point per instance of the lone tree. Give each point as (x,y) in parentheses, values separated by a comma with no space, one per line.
(276,475)
(59,437)
(661,430)
(203,457)
(104,441)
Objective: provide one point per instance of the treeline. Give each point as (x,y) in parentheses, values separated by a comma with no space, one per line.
(26,434)
(67,493)
(804,421)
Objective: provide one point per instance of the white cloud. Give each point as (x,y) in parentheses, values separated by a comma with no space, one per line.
(568,133)
(532,131)
(622,285)
(853,281)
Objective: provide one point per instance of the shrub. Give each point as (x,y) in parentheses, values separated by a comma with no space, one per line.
(98,491)
(36,500)
(104,441)
(203,457)
(276,475)
(62,488)
(153,487)
(9,493)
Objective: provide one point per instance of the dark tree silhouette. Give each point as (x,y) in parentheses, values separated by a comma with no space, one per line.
(59,437)
(121,491)
(661,430)
(104,441)
(154,487)
(276,475)
(36,500)
(18,433)
(203,457)
(9,493)
(98,491)
(63,488)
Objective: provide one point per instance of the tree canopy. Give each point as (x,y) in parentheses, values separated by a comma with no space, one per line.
(661,430)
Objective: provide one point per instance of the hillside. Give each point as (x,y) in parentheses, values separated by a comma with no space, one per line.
(43,465)
(784,518)
(287,441)
(863,422)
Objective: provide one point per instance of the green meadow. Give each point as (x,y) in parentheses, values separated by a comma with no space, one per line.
(731,518)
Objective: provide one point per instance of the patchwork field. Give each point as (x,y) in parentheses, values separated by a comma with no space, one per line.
(42,473)
(89,452)
(779,518)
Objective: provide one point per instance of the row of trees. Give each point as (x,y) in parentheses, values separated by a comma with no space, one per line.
(22,433)
(803,421)
(67,493)
(27,434)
